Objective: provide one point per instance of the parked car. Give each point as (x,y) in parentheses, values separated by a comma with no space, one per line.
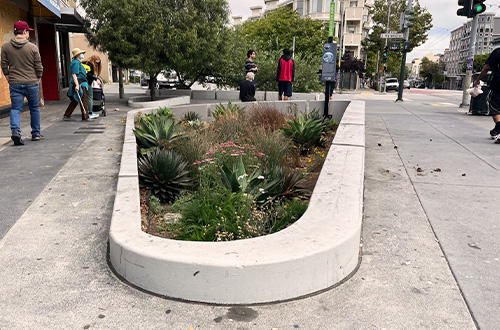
(406,84)
(392,84)
(163,80)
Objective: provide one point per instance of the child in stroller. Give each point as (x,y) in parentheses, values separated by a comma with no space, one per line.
(99,98)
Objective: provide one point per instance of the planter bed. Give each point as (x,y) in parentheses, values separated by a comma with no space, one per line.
(315,253)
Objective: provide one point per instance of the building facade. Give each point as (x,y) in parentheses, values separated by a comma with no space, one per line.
(488,28)
(52,21)
(355,13)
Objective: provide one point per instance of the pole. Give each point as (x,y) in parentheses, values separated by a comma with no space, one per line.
(386,31)
(293,49)
(406,37)
(470,62)
(341,41)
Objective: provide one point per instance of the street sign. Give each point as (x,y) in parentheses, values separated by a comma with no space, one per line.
(331,30)
(329,62)
(391,35)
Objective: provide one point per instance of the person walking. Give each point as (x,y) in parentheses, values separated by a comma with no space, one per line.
(247,88)
(77,91)
(285,75)
(94,70)
(250,65)
(22,67)
(493,98)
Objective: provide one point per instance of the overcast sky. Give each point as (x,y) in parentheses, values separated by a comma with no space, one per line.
(444,14)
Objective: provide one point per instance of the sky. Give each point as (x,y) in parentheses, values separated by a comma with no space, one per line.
(444,15)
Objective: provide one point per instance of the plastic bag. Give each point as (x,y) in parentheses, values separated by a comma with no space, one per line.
(475,91)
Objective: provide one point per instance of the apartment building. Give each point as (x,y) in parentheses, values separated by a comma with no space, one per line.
(356,18)
(488,29)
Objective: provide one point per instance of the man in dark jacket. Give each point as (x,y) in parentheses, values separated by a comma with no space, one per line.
(285,75)
(493,98)
(247,88)
(22,67)
(250,65)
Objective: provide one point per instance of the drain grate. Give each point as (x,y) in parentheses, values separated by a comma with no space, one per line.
(91,129)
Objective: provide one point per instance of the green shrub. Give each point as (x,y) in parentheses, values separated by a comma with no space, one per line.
(287,214)
(155,206)
(279,150)
(164,173)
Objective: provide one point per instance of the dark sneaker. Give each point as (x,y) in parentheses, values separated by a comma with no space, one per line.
(497,139)
(16,137)
(37,137)
(88,119)
(494,134)
(68,118)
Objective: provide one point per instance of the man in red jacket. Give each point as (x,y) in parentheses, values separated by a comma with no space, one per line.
(285,75)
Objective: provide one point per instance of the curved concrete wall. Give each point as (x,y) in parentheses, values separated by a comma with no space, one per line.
(317,252)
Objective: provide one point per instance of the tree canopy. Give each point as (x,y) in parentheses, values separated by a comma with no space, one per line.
(374,43)
(186,36)
(268,36)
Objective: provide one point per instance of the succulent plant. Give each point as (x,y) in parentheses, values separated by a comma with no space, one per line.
(156,132)
(305,132)
(164,173)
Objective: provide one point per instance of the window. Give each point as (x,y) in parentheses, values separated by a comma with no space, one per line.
(317,6)
(351,29)
(353,4)
(300,7)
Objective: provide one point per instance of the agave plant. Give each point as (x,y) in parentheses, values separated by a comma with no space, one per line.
(190,116)
(279,183)
(164,173)
(156,132)
(305,132)
(231,109)
(161,113)
(236,179)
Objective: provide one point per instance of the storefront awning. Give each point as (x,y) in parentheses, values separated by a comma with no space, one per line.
(70,21)
(45,8)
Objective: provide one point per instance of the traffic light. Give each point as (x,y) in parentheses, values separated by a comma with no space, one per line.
(384,55)
(478,7)
(467,8)
(384,67)
(406,19)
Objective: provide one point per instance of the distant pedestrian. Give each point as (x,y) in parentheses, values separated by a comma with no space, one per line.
(247,88)
(77,91)
(285,75)
(94,70)
(250,65)
(493,98)
(22,67)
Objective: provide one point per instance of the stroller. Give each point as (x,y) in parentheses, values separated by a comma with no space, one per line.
(99,98)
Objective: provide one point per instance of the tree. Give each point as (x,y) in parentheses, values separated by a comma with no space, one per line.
(268,36)
(374,43)
(479,62)
(432,72)
(155,35)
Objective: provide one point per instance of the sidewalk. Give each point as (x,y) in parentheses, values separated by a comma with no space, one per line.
(56,208)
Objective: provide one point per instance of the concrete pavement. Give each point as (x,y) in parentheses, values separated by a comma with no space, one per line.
(57,202)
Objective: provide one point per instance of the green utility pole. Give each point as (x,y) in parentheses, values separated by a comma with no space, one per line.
(406,24)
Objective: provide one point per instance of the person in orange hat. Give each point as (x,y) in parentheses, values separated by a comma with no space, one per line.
(77,91)
(22,67)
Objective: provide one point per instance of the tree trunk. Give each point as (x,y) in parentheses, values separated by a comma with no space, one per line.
(152,87)
(120,83)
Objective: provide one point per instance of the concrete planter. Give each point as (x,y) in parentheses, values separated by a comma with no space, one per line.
(145,101)
(317,252)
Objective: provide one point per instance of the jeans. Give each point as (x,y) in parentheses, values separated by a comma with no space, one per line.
(90,99)
(17,94)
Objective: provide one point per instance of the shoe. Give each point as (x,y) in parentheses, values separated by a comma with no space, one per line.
(37,137)
(497,139)
(68,118)
(93,115)
(16,137)
(88,119)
